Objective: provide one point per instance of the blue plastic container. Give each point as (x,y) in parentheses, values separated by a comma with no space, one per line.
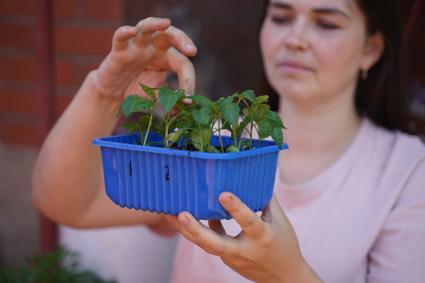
(169,181)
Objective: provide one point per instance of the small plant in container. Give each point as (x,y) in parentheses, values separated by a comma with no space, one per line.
(183,159)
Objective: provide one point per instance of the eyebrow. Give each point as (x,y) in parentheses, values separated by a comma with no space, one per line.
(324,11)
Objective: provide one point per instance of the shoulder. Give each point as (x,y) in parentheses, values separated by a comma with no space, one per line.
(400,148)
(398,252)
(402,161)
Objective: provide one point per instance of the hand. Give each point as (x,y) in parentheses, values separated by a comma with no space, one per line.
(145,54)
(266,250)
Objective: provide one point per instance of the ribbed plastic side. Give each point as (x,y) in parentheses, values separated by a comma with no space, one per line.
(169,184)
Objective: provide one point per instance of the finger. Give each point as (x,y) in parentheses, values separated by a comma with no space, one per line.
(211,242)
(161,41)
(164,229)
(121,37)
(216,226)
(176,38)
(147,27)
(174,222)
(250,222)
(181,65)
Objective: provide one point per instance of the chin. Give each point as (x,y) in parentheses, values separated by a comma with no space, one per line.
(292,90)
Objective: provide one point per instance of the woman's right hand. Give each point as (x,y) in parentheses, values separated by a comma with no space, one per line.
(145,53)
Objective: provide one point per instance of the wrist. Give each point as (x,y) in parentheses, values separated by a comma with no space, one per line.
(303,273)
(300,272)
(92,90)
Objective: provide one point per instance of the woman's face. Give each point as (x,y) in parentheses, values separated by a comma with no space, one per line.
(316,48)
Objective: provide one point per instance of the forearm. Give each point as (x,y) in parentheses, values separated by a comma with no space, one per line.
(67,175)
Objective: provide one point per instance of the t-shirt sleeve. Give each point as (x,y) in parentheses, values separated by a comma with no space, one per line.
(398,254)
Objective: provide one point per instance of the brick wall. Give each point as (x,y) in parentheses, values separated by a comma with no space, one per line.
(82,37)
(17,71)
(82,32)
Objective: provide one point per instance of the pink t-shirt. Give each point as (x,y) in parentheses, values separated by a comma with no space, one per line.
(361,220)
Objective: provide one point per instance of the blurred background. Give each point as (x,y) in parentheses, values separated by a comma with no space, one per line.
(46,49)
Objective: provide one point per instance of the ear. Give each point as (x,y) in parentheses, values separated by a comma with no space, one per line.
(373,50)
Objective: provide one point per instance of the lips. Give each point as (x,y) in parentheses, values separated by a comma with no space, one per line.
(293,66)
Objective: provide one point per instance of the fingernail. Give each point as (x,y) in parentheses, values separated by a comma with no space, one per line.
(187,100)
(226,198)
(189,47)
(184,220)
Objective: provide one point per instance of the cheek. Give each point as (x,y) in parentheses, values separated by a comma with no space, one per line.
(341,56)
(268,42)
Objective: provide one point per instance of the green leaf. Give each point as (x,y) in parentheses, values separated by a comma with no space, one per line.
(245,144)
(249,95)
(202,115)
(261,99)
(277,136)
(148,90)
(131,126)
(261,112)
(202,100)
(232,148)
(245,112)
(264,129)
(201,138)
(211,149)
(184,120)
(169,97)
(233,96)
(181,106)
(173,137)
(134,104)
(274,119)
(229,110)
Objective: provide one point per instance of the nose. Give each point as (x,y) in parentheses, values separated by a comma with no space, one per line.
(297,39)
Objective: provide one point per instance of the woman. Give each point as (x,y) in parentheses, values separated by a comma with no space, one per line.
(349,201)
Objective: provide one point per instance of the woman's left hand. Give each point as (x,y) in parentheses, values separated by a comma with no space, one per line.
(266,250)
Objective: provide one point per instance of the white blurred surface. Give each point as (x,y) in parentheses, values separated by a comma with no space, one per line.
(128,255)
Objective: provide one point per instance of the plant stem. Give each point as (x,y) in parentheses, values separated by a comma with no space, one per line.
(250,135)
(219,134)
(252,119)
(235,139)
(166,131)
(148,129)
(200,135)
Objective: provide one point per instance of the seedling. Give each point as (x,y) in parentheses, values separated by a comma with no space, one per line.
(195,123)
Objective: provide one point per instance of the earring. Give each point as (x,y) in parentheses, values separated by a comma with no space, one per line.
(364,74)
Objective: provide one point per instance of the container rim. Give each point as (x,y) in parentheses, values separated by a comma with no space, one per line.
(110,142)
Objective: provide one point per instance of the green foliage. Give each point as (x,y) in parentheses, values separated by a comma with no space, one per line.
(59,265)
(169,97)
(135,104)
(196,122)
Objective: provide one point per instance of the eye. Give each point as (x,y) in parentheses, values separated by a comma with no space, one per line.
(327,25)
(280,19)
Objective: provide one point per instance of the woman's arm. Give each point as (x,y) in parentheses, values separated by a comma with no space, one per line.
(67,178)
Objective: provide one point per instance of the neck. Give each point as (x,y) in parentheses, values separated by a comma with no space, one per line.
(316,134)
